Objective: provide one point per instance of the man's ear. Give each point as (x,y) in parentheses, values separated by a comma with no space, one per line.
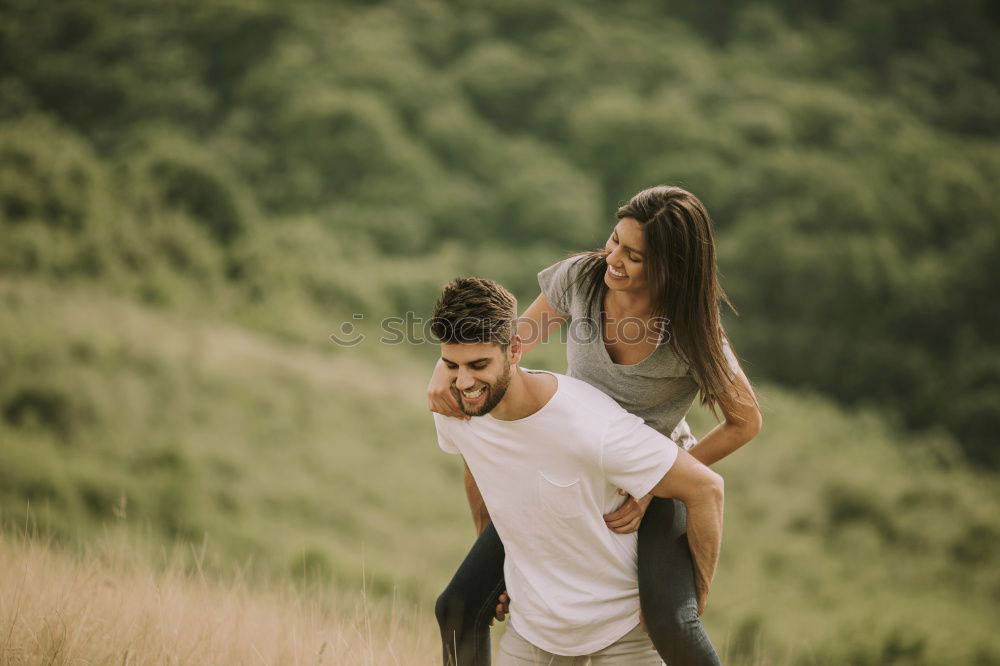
(515,349)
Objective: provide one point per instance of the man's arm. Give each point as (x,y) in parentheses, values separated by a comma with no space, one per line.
(480,515)
(702,492)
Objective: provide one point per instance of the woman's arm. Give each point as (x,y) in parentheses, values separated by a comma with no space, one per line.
(742,422)
(537,323)
(533,327)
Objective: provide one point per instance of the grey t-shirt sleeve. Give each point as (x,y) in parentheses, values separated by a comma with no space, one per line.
(683,436)
(556,284)
(732,363)
(635,457)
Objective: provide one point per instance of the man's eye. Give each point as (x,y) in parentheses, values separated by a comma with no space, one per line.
(479,366)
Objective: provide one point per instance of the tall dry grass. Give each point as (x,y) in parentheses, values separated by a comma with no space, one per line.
(111,605)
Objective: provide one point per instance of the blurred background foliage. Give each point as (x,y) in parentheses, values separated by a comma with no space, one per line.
(848,153)
(224,169)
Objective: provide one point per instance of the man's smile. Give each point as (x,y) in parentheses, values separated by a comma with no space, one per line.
(474,395)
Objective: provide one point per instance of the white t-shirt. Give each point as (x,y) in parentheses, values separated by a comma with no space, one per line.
(547,480)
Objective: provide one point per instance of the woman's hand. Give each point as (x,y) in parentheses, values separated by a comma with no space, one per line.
(440,397)
(629,515)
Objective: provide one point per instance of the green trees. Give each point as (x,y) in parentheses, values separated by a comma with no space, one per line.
(846,152)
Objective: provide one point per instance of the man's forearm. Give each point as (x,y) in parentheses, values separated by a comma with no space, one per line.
(704,531)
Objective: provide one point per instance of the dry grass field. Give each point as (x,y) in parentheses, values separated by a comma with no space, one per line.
(110,605)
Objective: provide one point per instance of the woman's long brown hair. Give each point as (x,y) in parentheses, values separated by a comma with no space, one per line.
(683,281)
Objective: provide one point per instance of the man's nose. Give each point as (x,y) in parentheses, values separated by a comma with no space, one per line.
(465,380)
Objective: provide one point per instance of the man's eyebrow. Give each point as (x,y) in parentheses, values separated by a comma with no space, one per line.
(478,360)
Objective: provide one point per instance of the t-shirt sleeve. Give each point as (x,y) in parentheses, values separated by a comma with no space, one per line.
(556,283)
(634,456)
(444,441)
(733,365)
(683,436)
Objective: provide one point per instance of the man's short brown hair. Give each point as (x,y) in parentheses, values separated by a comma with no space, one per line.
(474,310)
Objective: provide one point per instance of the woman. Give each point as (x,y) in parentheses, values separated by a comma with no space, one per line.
(646,331)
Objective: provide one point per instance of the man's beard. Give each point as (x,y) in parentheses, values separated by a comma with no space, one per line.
(494,394)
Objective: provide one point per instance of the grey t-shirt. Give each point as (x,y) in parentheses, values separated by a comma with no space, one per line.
(658,389)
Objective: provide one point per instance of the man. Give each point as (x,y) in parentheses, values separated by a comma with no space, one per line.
(548,453)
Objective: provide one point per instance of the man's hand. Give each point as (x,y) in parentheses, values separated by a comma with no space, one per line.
(629,515)
(503,607)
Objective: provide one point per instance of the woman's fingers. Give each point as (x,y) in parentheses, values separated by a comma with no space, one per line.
(621,521)
(445,404)
(455,409)
(629,527)
(629,510)
(624,520)
(627,517)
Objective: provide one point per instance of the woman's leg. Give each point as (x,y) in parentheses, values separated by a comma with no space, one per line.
(666,587)
(467,605)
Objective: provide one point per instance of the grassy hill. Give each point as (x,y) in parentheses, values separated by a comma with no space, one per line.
(298,460)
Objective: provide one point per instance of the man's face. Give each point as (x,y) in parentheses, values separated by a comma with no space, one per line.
(480,374)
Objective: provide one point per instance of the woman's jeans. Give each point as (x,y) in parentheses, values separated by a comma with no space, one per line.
(666,593)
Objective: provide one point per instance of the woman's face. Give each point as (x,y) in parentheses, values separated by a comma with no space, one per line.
(626,248)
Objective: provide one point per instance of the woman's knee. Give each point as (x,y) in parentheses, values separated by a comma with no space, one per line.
(449,607)
(674,622)
(458,606)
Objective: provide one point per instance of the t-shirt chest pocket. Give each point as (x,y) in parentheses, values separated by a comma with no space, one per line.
(560,498)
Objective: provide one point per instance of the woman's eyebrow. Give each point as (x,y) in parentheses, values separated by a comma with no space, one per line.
(627,247)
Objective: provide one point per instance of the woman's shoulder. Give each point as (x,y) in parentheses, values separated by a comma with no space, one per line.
(563,283)
(571,266)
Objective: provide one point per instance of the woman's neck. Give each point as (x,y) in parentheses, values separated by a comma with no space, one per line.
(623,304)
